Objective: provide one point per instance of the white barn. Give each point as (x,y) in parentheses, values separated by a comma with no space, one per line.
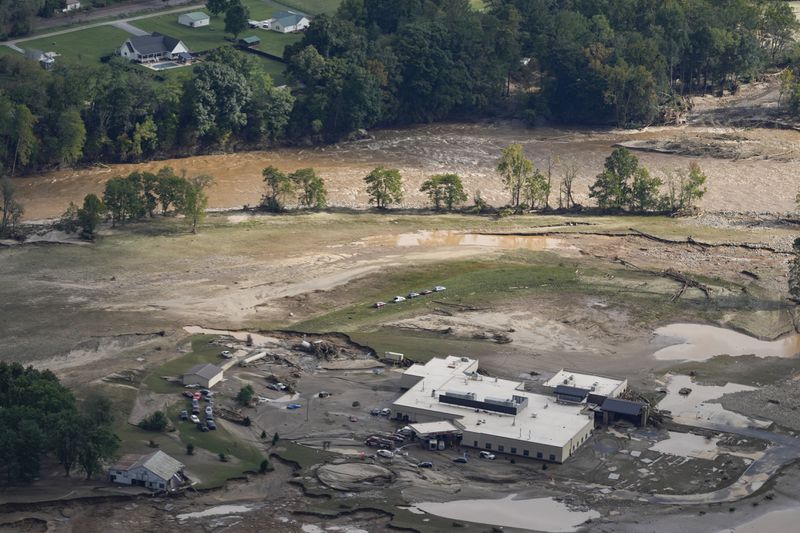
(152,48)
(156,471)
(288,22)
(206,375)
(195,19)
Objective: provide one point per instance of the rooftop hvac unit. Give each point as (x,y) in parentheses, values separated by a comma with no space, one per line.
(533,415)
(465,359)
(566,382)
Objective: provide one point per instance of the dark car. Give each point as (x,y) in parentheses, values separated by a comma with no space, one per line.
(460,460)
(425,464)
(196,410)
(375,412)
(184,415)
(202,427)
(188,394)
(211,425)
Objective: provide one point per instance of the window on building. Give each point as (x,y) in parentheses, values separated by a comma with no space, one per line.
(501,448)
(539,455)
(160,485)
(488,445)
(513,450)
(475,443)
(552,457)
(526,453)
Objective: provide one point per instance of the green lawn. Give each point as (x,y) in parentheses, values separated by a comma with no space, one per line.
(313,7)
(202,352)
(81,46)
(478,5)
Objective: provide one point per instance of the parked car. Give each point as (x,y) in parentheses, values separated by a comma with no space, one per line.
(398,299)
(195,419)
(294,406)
(439,288)
(426,291)
(209,417)
(192,386)
(205,392)
(262,399)
(188,394)
(486,455)
(375,412)
(378,305)
(460,460)
(425,464)
(197,396)
(211,425)
(202,427)
(398,437)
(209,410)
(385,453)
(386,411)
(226,354)
(184,415)
(276,386)
(323,394)
(413,294)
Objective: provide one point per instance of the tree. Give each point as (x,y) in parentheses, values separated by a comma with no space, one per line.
(11,209)
(514,168)
(169,188)
(24,137)
(71,136)
(444,189)
(194,201)
(535,190)
(264,466)
(569,173)
(612,189)
(217,6)
(275,438)
(217,96)
(155,422)
(694,187)
(644,190)
(99,444)
(236,17)
(779,25)
(312,188)
(67,441)
(123,198)
(384,186)
(190,449)
(90,215)
(279,187)
(245,395)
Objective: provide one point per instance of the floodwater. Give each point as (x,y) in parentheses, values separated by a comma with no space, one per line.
(699,342)
(540,514)
(696,408)
(688,445)
(785,520)
(470,150)
(444,238)
(220,510)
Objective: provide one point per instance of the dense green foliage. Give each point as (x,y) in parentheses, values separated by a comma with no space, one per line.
(39,417)
(444,189)
(157,421)
(245,395)
(10,209)
(384,187)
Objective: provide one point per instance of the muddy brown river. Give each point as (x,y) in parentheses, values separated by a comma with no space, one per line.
(767,183)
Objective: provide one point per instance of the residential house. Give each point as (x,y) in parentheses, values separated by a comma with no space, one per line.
(289,21)
(206,375)
(71,5)
(157,471)
(195,19)
(45,59)
(154,47)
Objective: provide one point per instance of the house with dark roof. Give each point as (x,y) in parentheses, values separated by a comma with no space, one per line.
(153,48)
(157,471)
(289,21)
(206,375)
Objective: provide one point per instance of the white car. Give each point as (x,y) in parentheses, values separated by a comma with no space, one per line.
(487,455)
(226,354)
(194,419)
(262,399)
(397,299)
(385,453)
(439,288)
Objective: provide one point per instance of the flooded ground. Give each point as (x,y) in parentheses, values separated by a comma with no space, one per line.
(540,514)
(472,151)
(688,445)
(785,520)
(699,342)
(438,238)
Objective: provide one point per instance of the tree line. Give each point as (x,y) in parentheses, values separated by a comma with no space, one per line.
(40,418)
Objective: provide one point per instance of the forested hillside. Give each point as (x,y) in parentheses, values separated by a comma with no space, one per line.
(387,62)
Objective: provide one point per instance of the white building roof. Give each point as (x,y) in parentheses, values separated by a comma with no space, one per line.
(158,462)
(542,420)
(602,386)
(433,428)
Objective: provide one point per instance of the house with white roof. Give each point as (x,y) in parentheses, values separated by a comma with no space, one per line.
(157,471)
(449,396)
(289,21)
(195,19)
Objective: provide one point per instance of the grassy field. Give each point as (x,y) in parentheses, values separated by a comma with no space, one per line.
(202,352)
(313,7)
(81,46)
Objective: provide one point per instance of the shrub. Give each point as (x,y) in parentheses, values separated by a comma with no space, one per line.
(155,422)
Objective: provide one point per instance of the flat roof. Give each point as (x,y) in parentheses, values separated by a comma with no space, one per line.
(602,386)
(542,421)
(431,428)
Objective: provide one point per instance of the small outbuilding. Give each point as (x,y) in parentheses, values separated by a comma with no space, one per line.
(250,40)
(613,409)
(205,375)
(71,5)
(157,471)
(195,19)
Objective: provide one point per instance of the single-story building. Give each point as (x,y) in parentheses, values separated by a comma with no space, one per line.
(195,19)
(250,40)
(71,5)
(567,385)
(289,21)
(156,471)
(152,48)
(45,59)
(205,375)
(613,409)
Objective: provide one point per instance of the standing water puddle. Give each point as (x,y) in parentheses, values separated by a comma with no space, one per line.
(785,520)
(694,409)
(541,514)
(688,445)
(220,510)
(700,343)
(453,238)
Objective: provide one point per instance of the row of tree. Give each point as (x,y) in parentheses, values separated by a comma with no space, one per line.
(119,112)
(41,418)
